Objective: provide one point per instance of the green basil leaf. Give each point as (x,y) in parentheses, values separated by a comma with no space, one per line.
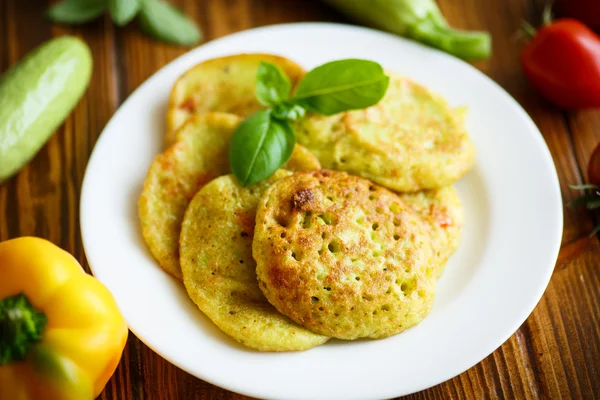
(287,111)
(123,11)
(272,85)
(76,11)
(260,146)
(342,85)
(166,22)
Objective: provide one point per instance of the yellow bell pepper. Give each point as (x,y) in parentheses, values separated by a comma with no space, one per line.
(61,332)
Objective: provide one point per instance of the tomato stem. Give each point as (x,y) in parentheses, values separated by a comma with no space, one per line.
(547,14)
(21,326)
(528,29)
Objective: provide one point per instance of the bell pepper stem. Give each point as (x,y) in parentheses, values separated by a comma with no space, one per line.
(466,45)
(21,326)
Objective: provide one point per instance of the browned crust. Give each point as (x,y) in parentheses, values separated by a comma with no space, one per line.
(342,256)
(292,69)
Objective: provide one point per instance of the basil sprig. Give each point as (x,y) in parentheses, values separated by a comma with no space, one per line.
(158,18)
(264,142)
(272,85)
(341,86)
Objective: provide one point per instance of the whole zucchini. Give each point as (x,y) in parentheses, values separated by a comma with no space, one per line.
(36,96)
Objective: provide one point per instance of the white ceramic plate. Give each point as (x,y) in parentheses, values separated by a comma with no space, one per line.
(509,247)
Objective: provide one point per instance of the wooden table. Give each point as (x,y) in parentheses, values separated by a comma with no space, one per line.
(554,354)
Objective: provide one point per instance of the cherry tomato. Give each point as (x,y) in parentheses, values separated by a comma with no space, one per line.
(563,62)
(593,171)
(586,11)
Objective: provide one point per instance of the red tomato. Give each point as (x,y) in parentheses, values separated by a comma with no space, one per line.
(563,62)
(593,171)
(586,11)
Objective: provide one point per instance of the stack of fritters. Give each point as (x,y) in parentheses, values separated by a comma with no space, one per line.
(349,251)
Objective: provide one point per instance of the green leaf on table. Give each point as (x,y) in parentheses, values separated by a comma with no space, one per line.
(76,11)
(584,200)
(342,85)
(123,11)
(260,146)
(272,85)
(166,22)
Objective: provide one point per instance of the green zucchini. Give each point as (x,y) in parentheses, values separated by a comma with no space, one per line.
(36,96)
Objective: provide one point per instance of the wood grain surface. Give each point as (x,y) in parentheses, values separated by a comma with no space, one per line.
(554,354)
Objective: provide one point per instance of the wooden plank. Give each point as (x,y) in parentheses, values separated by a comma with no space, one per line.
(14,194)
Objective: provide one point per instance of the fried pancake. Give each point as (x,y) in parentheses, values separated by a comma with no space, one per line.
(441,210)
(219,272)
(200,154)
(342,256)
(224,84)
(411,140)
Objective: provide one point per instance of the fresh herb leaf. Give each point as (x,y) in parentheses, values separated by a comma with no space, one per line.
(291,112)
(342,85)
(585,187)
(76,11)
(260,145)
(592,205)
(591,200)
(166,22)
(156,17)
(123,11)
(595,231)
(584,200)
(263,142)
(272,85)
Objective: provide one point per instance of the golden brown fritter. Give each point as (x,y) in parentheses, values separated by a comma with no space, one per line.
(342,256)
(219,272)
(224,84)
(411,140)
(441,210)
(200,154)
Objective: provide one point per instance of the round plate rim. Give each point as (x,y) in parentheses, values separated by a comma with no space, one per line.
(229,384)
